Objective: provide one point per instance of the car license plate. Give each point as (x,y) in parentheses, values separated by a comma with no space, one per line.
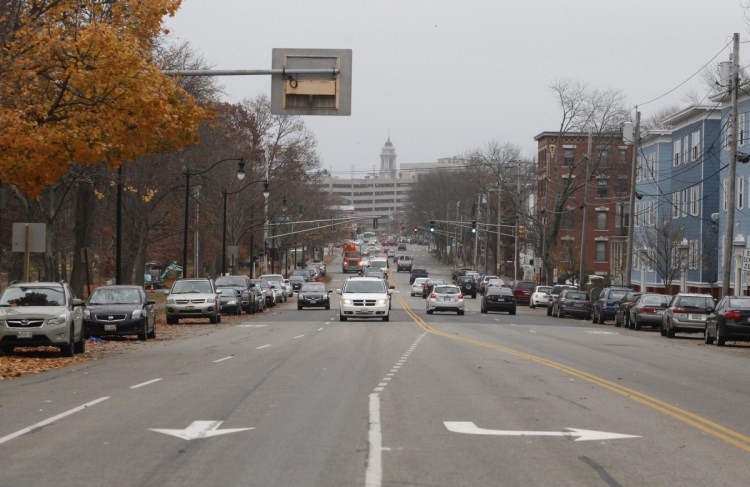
(190,308)
(24,334)
(697,317)
(110,327)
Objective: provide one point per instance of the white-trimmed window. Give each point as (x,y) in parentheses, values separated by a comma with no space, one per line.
(601,220)
(683,202)
(695,147)
(685,149)
(695,197)
(675,205)
(677,145)
(639,169)
(741,129)
(652,214)
(601,251)
(638,217)
(740,192)
(693,254)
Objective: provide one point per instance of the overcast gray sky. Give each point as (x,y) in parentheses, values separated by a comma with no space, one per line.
(445,77)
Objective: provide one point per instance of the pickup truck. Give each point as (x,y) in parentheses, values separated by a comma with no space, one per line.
(404,263)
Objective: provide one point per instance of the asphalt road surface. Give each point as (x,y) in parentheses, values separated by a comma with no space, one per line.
(297,398)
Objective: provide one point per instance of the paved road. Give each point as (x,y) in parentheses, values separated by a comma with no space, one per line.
(428,400)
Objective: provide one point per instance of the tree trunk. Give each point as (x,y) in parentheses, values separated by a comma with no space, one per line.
(82,229)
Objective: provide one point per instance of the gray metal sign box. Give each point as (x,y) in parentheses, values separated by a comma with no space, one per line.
(312,93)
(37,237)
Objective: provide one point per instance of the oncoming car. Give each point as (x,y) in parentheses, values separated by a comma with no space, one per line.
(365,297)
(445,298)
(313,294)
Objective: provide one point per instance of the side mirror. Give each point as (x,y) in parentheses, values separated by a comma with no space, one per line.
(709,309)
(664,305)
(78,302)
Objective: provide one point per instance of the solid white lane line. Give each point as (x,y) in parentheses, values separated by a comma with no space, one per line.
(223,359)
(51,420)
(145,383)
(299,336)
(374,472)
(263,346)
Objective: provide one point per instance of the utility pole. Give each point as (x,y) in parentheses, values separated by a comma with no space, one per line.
(476,235)
(633,216)
(731,203)
(582,258)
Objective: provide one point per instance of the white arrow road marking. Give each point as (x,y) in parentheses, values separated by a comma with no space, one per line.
(200,429)
(469,428)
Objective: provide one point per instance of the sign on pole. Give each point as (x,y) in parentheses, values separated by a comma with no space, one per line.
(746,260)
(36,241)
(313,93)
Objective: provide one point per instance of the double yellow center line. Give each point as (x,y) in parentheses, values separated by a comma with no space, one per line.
(706,425)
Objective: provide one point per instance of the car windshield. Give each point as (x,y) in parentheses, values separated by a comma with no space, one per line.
(186,287)
(447,290)
(578,296)
(696,302)
(227,291)
(231,281)
(364,287)
(739,303)
(313,288)
(115,296)
(465,279)
(32,296)
(655,300)
(617,294)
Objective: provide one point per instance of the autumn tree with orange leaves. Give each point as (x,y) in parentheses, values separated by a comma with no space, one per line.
(78,85)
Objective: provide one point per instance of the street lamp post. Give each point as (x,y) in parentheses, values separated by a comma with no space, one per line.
(224,195)
(187,174)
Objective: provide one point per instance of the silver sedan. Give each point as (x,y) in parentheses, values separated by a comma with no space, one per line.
(445,298)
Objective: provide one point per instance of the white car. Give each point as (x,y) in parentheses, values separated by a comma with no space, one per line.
(418,286)
(364,297)
(540,296)
(445,298)
(288,288)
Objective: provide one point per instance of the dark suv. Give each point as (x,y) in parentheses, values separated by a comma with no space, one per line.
(553,295)
(605,306)
(468,286)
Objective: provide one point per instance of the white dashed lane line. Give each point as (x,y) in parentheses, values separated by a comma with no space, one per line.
(299,336)
(263,346)
(223,359)
(142,384)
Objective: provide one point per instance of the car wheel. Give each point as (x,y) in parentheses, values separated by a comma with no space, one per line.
(143,333)
(593,317)
(706,337)
(662,330)
(80,345)
(720,340)
(429,311)
(560,312)
(171,320)
(513,312)
(460,312)
(600,318)
(531,305)
(328,306)
(387,317)
(617,322)
(549,311)
(636,324)
(670,330)
(152,333)
(67,350)
(7,349)
(626,321)
(299,307)
(483,310)
(342,318)
(213,319)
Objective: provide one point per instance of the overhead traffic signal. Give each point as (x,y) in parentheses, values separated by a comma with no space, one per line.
(432,226)
(522,231)
(473,226)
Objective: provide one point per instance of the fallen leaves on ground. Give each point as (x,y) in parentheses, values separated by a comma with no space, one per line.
(34,360)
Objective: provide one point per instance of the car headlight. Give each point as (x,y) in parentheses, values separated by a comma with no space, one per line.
(346,301)
(382,301)
(300,296)
(137,314)
(232,302)
(170,300)
(60,320)
(86,314)
(211,300)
